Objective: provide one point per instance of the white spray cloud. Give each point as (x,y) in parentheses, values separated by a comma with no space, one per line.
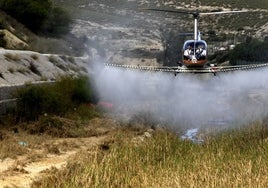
(189,99)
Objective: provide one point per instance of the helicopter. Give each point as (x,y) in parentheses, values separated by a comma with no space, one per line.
(194,51)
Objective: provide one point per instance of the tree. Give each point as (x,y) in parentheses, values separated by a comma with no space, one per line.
(57,23)
(32,13)
(252,50)
(38,15)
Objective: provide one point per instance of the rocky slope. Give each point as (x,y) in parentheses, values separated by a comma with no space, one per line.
(20,67)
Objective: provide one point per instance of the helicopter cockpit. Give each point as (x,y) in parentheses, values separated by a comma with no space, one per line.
(195,53)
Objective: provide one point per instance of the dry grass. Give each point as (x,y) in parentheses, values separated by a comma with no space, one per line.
(53,59)
(11,70)
(131,158)
(35,139)
(12,57)
(236,158)
(23,70)
(34,56)
(18,143)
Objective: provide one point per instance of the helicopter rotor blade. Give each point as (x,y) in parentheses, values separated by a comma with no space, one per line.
(222,12)
(185,34)
(194,13)
(166,10)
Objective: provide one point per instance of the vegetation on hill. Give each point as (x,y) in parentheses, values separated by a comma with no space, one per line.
(252,50)
(41,25)
(67,44)
(39,16)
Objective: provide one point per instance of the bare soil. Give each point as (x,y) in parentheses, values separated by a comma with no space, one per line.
(43,152)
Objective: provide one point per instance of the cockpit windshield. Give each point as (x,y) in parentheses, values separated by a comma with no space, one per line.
(195,50)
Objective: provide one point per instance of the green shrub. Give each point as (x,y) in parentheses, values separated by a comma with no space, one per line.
(57,98)
(35,100)
(78,90)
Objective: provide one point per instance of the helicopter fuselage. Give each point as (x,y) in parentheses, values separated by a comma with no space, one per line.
(194,53)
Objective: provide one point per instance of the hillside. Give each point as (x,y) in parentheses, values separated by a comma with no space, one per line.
(16,36)
(20,67)
(27,57)
(123,33)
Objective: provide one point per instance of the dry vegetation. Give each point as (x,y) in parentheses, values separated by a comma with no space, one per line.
(85,147)
(235,158)
(12,57)
(27,149)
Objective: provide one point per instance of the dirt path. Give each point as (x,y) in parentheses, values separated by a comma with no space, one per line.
(22,171)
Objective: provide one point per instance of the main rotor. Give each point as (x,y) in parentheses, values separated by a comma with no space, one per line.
(196,14)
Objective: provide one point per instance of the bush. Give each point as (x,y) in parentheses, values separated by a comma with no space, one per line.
(35,100)
(57,98)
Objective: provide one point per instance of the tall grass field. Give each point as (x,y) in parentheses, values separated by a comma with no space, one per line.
(232,158)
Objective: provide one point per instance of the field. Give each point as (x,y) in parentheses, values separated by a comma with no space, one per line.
(106,152)
(231,159)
